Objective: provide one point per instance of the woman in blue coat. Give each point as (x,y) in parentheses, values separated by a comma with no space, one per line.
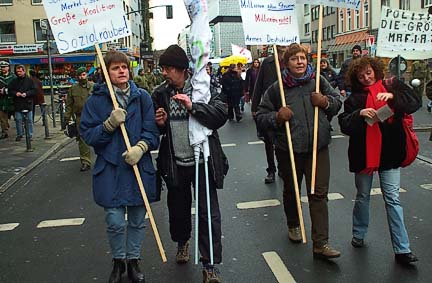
(115,187)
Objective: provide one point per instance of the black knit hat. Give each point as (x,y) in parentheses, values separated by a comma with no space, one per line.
(174,56)
(358,47)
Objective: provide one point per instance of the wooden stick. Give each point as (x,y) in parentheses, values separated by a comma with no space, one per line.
(290,148)
(135,167)
(317,89)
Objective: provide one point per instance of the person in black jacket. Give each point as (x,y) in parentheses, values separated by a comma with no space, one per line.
(266,77)
(176,163)
(328,72)
(22,89)
(344,88)
(377,145)
(299,88)
(232,87)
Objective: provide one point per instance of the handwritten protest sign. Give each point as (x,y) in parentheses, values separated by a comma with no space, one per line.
(406,33)
(351,4)
(269,22)
(77,24)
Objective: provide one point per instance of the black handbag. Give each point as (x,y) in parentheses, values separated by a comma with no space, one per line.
(71,130)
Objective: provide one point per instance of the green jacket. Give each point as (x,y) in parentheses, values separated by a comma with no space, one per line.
(76,98)
(141,82)
(6,102)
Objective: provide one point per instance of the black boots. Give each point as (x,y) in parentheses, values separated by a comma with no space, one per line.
(119,267)
(134,272)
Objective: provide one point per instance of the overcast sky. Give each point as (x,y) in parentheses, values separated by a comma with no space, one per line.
(165,31)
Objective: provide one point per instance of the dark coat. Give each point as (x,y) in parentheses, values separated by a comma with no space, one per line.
(393,135)
(232,87)
(212,115)
(330,75)
(341,83)
(22,84)
(301,124)
(114,182)
(266,77)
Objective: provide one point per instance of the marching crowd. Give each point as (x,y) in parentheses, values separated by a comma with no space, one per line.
(156,114)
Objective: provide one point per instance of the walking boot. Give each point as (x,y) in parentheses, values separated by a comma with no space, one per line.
(118,269)
(182,253)
(325,252)
(134,272)
(270,178)
(294,234)
(211,274)
(84,167)
(406,258)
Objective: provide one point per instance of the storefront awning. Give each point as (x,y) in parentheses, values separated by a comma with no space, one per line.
(56,59)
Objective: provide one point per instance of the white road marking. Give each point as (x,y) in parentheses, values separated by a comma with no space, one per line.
(229,145)
(70,158)
(377,191)
(255,142)
(61,222)
(8,226)
(338,137)
(331,196)
(426,186)
(258,204)
(278,268)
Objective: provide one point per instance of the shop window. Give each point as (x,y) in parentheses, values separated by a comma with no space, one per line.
(40,35)
(404,4)
(6,2)
(7,32)
(427,3)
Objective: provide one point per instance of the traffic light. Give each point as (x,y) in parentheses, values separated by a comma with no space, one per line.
(169,11)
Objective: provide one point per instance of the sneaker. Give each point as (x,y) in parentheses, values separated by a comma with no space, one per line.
(406,258)
(183,253)
(211,274)
(294,234)
(325,252)
(18,138)
(4,136)
(357,243)
(270,178)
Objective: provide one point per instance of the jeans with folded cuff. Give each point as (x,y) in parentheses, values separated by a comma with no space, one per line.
(125,236)
(390,184)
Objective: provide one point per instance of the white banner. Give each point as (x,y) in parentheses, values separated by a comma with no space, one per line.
(243,51)
(404,33)
(351,4)
(269,22)
(79,24)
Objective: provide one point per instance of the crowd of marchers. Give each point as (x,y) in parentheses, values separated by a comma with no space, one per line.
(156,116)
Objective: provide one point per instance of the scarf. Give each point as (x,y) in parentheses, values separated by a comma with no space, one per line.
(373,133)
(291,81)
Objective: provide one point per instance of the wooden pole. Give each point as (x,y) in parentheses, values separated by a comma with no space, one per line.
(317,89)
(135,167)
(290,148)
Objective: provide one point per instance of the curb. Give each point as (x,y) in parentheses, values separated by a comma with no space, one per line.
(54,149)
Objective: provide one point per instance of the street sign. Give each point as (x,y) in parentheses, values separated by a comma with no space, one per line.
(393,66)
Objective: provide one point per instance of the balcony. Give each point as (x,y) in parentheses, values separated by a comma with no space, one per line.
(7,38)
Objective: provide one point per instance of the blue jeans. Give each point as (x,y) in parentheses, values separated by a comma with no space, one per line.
(390,184)
(125,237)
(19,120)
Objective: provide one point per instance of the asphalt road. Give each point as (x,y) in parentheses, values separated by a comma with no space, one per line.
(80,253)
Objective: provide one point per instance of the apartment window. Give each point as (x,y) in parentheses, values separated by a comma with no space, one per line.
(357,19)
(341,21)
(349,22)
(36,2)
(6,2)
(427,3)
(333,34)
(333,10)
(385,3)
(329,35)
(404,4)
(306,9)
(7,32)
(366,13)
(307,29)
(39,35)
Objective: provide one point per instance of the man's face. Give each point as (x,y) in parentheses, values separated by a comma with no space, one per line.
(20,72)
(119,74)
(356,53)
(82,76)
(297,64)
(4,70)
(173,76)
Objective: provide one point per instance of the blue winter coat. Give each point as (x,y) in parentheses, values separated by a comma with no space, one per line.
(114,181)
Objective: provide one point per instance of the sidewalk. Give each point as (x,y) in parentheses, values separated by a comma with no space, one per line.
(16,161)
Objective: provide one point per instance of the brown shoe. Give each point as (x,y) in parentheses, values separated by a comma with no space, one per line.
(183,253)
(294,234)
(325,252)
(211,275)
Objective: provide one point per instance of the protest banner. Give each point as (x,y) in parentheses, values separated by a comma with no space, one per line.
(349,4)
(269,22)
(77,24)
(405,33)
(242,51)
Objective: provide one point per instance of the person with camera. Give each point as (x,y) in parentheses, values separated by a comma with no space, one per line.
(75,100)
